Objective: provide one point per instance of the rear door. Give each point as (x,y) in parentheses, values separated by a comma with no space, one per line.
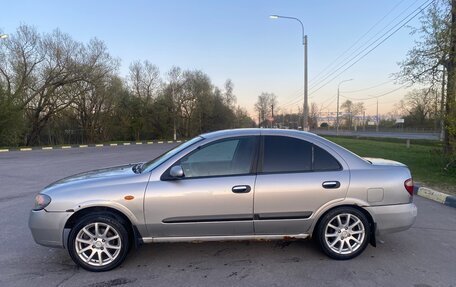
(295,178)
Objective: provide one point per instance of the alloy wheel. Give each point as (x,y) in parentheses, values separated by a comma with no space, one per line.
(98,244)
(344,233)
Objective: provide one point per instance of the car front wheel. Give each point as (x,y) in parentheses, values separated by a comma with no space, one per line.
(98,242)
(343,233)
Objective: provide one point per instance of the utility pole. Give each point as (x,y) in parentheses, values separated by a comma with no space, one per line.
(378,120)
(305,125)
(364,121)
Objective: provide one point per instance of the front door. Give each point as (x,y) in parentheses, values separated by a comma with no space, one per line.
(213,198)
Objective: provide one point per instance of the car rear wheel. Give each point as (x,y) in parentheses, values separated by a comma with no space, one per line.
(343,233)
(98,242)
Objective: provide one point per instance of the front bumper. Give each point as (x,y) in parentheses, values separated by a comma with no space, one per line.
(393,218)
(47,227)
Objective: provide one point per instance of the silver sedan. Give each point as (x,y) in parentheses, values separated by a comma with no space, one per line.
(242,184)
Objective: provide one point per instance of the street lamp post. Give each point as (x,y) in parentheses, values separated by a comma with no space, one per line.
(3,36)
(304,43)
(338,94)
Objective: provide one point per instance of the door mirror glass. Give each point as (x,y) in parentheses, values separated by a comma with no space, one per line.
(176,171)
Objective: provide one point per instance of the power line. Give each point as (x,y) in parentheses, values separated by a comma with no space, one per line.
(332,99)
(351,59)
(330,103)
(299,91)
(394,31)
(368,88)
(358,40)
(374,97)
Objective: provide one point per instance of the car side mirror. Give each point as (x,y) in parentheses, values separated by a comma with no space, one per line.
(176,171)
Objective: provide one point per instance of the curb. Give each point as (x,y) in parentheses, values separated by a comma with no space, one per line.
(443,198)
(88,145)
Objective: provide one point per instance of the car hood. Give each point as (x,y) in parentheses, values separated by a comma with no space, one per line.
(382,161)
(110,172)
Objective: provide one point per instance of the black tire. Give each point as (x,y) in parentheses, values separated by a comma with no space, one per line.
(117,227)
(345,253)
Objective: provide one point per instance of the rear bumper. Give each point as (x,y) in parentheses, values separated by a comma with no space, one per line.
(393,218)
(47,227)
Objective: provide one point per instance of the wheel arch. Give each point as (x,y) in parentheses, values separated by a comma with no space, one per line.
(133,232)
(369,217)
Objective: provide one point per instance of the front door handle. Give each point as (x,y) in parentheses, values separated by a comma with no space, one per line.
(241,189)
(331,184)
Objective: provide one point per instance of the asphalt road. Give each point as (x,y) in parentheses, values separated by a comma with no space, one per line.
(397,135)
(425,255)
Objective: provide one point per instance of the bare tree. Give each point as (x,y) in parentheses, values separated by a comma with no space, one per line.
(196,92)
(95,96)
(265,106)
(42,74)
(144,78)
(313,116)
(352,110)
(228,96)
(176,82)
(419,105)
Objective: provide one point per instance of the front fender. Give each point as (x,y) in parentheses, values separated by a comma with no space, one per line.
(135,219)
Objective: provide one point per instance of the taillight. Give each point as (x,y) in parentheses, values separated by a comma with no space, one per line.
(408,184)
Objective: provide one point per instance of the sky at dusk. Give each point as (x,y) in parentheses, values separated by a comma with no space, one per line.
(236,39)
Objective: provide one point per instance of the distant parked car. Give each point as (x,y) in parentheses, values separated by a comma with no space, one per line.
(228,185)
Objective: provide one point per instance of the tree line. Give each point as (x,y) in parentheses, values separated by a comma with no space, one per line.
(55,90)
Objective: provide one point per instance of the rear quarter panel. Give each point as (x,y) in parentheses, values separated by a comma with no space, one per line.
(380,185)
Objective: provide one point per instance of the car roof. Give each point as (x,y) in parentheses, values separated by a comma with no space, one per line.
(255,131)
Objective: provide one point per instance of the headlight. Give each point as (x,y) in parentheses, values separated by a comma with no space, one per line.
(41,201)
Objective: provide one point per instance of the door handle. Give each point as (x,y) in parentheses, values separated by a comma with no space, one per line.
(331,184)
(241,189)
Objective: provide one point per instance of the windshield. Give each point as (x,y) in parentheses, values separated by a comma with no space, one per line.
(150,165)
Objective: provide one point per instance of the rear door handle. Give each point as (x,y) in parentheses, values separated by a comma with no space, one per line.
(331,184)
(241,189)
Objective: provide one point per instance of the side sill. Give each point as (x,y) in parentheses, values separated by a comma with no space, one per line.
(224,238)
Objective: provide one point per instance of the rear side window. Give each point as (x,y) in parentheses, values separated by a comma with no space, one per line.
(287,154)
(323,161)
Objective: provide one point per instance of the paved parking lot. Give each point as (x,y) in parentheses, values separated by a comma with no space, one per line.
(425,255)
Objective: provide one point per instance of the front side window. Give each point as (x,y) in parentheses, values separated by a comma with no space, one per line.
(227,157)
(287,154)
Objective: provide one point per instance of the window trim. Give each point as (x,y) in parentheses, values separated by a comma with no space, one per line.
(261,157)
(253,166)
